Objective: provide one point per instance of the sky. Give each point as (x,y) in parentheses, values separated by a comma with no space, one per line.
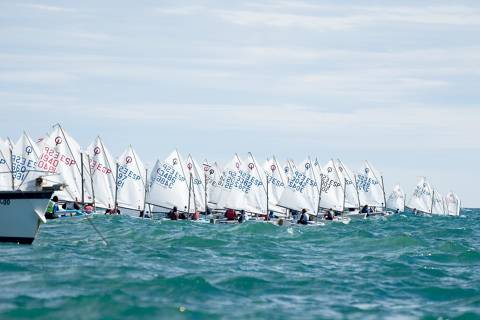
(393,82)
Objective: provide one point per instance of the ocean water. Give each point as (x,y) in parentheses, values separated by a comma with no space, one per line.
(398,268)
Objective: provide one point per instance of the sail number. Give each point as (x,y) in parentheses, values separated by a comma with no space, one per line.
(5,202)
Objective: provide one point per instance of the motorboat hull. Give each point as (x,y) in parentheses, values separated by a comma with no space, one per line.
(21,214)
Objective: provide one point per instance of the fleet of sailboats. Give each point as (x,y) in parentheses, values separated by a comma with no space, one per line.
(270,188)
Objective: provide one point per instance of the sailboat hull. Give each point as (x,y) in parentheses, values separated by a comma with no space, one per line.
(21,214)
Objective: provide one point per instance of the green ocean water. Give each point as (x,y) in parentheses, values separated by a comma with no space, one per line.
(396,268)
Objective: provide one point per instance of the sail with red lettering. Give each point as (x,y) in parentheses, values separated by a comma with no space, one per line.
(256,195)
(62,157)
(5,167)
(25,157)
(169,187)
(277,181)
(130,178)
(102,169)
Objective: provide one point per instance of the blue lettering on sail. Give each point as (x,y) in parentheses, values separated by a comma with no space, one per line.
(420,191)
(21,166)
(365,182)
(124,174)
(327,183)
(167,176)
(300,181)
(241,180)
(274,181)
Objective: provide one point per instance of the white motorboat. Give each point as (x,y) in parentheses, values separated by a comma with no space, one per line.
(21,213)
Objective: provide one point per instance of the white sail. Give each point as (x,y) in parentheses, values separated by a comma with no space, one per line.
(196,184)
(215,181)
(5,166)
(396,199)
(370,187)
(452,204)
(347,178)
(331,196)
(169,187)
(289,169)
(302,191)
(61,156)
(243,187)
(25,157)
(257,195)
(102,169)
(438,204)
(277,181)
(422,196)
(130,176)
(231,173)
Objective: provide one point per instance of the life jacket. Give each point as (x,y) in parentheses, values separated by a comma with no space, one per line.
(51,207)
(230,214)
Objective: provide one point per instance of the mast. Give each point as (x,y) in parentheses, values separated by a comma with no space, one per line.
(116,187)
(268,213)
(91,182)
(433,199)
(194,200)
(189,192)
(145,196)
(316,182)
(358,195)
(279,168)
(205,170)
(384,196)
(11,168)
(183,172)
(83,179)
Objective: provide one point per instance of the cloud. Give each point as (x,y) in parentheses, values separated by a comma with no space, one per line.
(341,17)
(48,8)
(42,77)
(178,11)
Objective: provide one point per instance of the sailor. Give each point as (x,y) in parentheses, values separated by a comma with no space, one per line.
(182,215)
(230,214)
(52,208)
(364,209)
(173,214)
(88,208)
(414,210)
(270,215)
(303,217)
(328,215)
(242,217)
(142,214)
(196,215)
(397,211)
